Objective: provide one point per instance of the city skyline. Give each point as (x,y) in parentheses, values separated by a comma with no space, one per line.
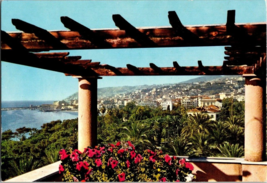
(26,83)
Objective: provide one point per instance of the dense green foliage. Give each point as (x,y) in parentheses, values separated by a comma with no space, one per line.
(172,131)
(20,154)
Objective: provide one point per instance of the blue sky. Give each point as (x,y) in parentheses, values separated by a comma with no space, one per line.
(26,83)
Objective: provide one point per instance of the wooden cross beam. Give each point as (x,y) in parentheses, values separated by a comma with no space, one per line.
(37,39)
(39,32)
(138,36)
(85,32)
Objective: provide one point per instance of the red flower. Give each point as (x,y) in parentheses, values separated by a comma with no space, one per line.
(182,161)
(79,165)
(98,162)
(121,177)
(177,181)
(133,154)
(163,179)
(74,156)
(85,165)
(112,145)
(189,166)
(138,159)
(120,151)
(131,145)
(61,169)
(174,157)
(151,158)
(91,153)
(89,171)
(77,151)
(110,149)
(102,150)
(114,163)
(128,163)
(63,154)
(168,159)
(177,171)
(97,154)
(118,143)
(109,160)
(83,181)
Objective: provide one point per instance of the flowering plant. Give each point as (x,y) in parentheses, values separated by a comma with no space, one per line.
(121,162)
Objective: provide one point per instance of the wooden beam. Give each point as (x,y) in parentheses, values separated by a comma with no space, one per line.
(155,68)
(230,24)
(139,37)
(52,55)
(171,71)
(39,32)
(162,37)
(85,32)
(180,29)
(134,69)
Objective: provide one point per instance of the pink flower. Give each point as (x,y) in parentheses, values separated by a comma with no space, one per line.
(85,165)
(163,179)
(91,153)
(102,150)
(189,166)
(110,149)
(98,162)
(118,144)
(182,161)
(79,165)
(121,177)
(74,156)
(63,154)
(114,163)
(120,151)
(109,160)
(77,151)
(177,171)
(133,154)
(168,159)
(89,171)
(151,158)
(112,145)
(131,145)
(128,163)
(61,169)
(177,181)
(138,159)
(97,154)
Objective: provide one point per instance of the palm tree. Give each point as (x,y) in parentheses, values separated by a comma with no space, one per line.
(136,133)
(231,150)
(197,123)
(178,147)
(200,144)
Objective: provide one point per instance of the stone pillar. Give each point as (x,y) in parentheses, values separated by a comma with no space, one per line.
(254,118)
(87,113)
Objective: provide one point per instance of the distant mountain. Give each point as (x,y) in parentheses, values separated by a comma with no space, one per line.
(111,91)
(202,78)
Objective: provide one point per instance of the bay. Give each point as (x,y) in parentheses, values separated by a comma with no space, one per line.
(15,119)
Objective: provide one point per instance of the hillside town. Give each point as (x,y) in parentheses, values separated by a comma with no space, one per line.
(196,97)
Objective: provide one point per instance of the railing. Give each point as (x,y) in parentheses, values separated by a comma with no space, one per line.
(206,169)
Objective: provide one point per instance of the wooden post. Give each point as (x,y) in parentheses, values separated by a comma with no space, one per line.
(87,113)
(254,118)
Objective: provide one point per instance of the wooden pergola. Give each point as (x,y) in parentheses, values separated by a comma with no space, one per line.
(245,54)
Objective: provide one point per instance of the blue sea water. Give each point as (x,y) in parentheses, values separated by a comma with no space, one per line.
(14,119)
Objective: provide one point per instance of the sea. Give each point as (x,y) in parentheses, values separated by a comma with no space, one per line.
(14,119)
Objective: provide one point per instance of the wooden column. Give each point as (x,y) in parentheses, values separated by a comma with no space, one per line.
(87,113)
(254,118)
